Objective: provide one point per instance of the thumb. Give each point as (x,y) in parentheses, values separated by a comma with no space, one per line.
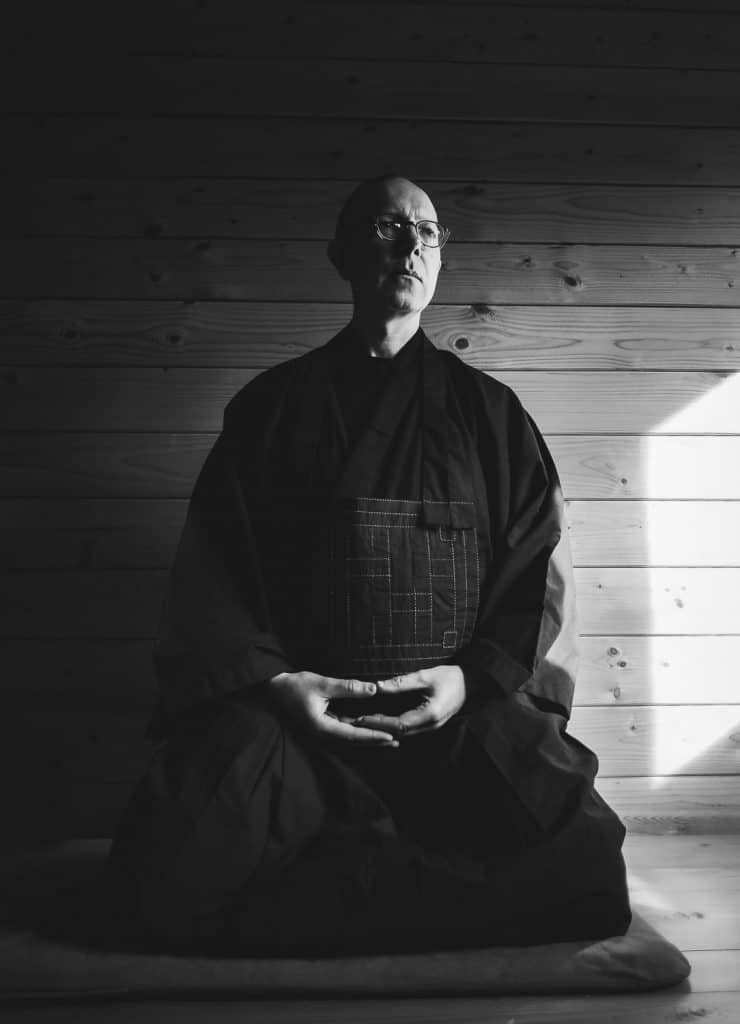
(350,688)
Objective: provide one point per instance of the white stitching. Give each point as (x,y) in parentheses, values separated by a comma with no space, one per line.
(454,586)
(431,587)
(390,585)
(477,576)
(404,646)
(408,515)
(400,657)
(465,574)
(415,501)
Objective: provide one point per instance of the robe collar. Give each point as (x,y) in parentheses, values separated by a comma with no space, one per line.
(447,490)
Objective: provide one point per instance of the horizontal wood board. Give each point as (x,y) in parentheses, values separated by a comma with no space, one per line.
(299,271)
(158,465)
(353,148)
(681,805)
(141,533)
(90,332)
(94,673)
(502,33)
(176,399)
(270,209)
(338,87)
(126,602)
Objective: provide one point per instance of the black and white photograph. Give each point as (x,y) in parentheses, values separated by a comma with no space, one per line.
(370,512)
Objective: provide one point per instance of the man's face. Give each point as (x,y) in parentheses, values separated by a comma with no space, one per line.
(393,277)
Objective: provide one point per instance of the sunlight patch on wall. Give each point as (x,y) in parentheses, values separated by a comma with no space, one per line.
(682,740)
(686,739)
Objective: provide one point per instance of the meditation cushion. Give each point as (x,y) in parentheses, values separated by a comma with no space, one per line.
(46,952)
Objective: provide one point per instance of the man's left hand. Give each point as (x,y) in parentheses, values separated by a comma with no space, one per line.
(441,695)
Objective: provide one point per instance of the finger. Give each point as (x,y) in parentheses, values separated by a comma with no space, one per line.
(354,734)
(384,723)
(410,722)
(420,719)
(401,684)
(348,688)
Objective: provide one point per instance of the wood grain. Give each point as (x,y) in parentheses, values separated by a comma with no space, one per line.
(681,804)
(679,851)
(73,332)
(646,467)
(54,809)
(131,533)
(273,209)
(233,13)
(90,673)
(651,1008)
(698,533)
(71,746)
(352,149)
(491,33)
(694,908)
(111,746)
(125,603)
(696,740)
(172,399)
(78,674)
(136,533)
(715,971)
(229,269)
(370,88)
(114,464)
(684,806)
(659,600)
(152,465)
(61,604)
(681,670)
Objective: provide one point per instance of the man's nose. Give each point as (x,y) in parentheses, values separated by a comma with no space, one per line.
(409,241)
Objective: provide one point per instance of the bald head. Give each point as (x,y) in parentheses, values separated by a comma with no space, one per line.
(367,199)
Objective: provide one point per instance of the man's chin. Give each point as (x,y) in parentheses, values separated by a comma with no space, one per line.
(404,301)
(400,302)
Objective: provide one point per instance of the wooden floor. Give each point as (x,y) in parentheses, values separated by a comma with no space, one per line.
(686,886)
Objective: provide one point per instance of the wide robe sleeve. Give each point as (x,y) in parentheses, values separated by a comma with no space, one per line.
(215,635)
(526,634)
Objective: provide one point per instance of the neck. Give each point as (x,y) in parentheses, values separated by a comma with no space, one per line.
(385,338)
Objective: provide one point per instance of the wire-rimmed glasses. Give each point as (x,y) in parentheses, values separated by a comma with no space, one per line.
(429,232)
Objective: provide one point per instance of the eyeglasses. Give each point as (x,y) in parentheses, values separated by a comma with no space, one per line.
(429,232)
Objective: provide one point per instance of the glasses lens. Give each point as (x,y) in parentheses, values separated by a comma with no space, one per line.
(430,232)
(390,229)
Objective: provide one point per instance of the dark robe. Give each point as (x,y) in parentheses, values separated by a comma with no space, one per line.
(364,518)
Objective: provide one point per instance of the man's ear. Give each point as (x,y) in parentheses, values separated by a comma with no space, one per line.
(337,254)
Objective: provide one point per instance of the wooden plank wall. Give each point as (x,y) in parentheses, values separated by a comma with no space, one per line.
(170,183)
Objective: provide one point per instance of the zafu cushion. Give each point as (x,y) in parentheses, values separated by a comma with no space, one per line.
(44,953)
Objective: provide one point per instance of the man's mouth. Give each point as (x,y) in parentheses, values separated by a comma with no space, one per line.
(407,273)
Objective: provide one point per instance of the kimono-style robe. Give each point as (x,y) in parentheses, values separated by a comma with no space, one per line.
(363,518)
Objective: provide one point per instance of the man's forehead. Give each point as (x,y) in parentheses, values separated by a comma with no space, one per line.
(401,196)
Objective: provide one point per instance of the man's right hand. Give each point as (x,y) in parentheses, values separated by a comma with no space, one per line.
(305,697)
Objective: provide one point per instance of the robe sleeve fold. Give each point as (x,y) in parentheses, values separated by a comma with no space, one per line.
(526,631)
(215,634)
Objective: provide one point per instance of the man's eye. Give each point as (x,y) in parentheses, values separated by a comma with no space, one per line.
(393,225)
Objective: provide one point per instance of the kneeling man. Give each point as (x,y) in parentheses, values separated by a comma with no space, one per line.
(367,655)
